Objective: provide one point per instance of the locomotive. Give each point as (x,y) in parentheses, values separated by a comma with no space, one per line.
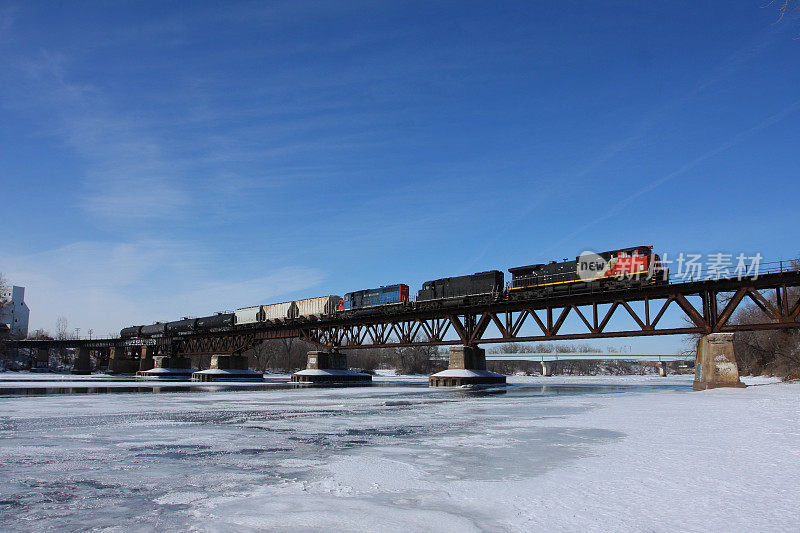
(479,284)
(626,267)
(620,268)
(386,295)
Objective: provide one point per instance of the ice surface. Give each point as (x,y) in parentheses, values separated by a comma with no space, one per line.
(588,453)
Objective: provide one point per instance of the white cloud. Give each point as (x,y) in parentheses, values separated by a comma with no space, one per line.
(128,175)
(105,286)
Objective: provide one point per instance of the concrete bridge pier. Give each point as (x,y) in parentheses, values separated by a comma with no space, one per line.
(83,362)
(102,358)
(42,363)
(467,366)
(716,362)
(168,367)
(547,368)
(228,368)
(147,359)
(328,367)
(662,368)
(119,361)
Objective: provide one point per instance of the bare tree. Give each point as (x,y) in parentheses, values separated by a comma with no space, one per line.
(415,359)
(263,354)
(3,284)
(774,352)
(285,355)
(62,333)
(5,331)
(785,8)
(62,328)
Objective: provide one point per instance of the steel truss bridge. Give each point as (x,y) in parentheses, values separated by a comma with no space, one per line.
(706,307)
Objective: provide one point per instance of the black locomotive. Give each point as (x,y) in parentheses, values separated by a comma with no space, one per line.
(482,283)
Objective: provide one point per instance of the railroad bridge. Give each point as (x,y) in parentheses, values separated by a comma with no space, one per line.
(706,307)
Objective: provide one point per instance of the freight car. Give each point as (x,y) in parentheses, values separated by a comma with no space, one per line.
(153,329)
(277,312)
(481,283)
(248,315)
(317,307)
(220,320)
(628,266)
(386,295)
(186,325)
(308,308)
(130,332)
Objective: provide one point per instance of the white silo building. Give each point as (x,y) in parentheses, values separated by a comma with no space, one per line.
(13,311)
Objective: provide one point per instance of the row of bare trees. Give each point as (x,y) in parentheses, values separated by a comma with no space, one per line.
(288,355)
(771,352)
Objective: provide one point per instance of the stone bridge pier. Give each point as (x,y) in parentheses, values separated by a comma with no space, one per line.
(328,367)
(42,362)
(120,361)
(716,362)
(168,367)
(228,368)
(147,359)
(83,361)
(467,366)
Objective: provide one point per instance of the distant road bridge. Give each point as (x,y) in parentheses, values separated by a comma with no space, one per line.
(547,359)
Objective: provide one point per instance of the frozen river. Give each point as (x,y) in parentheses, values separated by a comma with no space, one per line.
(577,454)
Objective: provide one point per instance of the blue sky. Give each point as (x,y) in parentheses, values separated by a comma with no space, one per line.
(169,159)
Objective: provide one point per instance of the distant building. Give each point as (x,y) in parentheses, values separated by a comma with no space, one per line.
(13,311)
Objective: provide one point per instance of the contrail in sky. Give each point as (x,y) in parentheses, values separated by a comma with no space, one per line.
(741,136)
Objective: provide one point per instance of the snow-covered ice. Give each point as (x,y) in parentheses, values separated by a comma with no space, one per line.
(585,453)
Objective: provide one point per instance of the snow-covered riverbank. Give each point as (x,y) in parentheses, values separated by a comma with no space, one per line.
(580,453)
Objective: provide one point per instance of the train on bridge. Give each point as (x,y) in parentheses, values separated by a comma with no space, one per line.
(627,267)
